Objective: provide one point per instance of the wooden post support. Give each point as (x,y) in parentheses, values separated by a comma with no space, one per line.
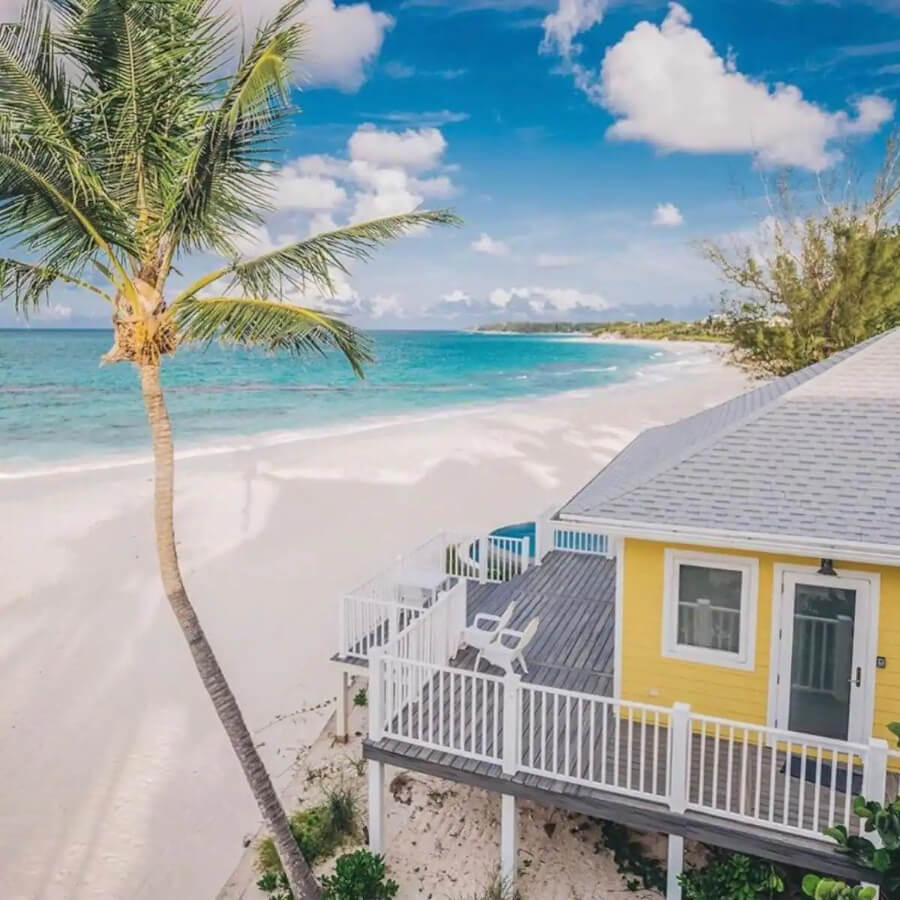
(511,724)
(680,723)
(674,866)
(539,525)
(874,785)
(509,841)
(340,716)
(376,806)
(376,694)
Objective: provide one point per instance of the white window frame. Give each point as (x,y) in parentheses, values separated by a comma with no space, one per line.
(748,566)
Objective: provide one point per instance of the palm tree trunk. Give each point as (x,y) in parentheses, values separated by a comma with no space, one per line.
(300,878)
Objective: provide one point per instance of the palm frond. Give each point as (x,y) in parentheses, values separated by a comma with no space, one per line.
(270,325)
(27,284)
(312,262)
(35,95)
(221,187)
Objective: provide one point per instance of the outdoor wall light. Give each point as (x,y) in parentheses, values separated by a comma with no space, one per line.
(826,567)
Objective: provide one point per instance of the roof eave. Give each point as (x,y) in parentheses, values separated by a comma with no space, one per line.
(791,545)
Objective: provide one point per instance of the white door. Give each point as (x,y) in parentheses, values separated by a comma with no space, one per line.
(825,672)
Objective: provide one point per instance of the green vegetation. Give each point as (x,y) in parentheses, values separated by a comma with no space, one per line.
(712,328)
(735,876)
(883,860)
(632,861)
(361,698)
(318,832)
(812,284)
(828,889)
(496,889)
(359,876)
(138,139)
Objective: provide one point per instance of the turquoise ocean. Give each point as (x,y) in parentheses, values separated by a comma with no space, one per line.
(59,408)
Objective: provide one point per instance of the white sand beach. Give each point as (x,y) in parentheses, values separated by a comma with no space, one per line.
(115,778)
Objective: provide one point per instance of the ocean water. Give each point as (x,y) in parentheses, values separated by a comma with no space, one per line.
(60,408)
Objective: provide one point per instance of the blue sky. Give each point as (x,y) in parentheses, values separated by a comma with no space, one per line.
(587,144)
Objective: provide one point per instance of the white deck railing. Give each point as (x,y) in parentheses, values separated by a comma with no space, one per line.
(793,782)
(374,613)
(667,755)
(574,537)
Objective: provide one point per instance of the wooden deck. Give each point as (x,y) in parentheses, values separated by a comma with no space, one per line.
(574,596)
(617,768)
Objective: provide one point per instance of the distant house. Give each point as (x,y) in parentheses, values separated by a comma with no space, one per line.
(718,647)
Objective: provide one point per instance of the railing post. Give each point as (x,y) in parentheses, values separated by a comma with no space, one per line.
(679,770)
(343,644)
(512,727)
(539,526)
(483,549)
(874,786)
(376,694)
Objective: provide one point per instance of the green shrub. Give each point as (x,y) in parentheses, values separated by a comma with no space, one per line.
(632,861)
(359,876)
(827,889)
(735,876)
(361,698)
(318,831)
(343,810)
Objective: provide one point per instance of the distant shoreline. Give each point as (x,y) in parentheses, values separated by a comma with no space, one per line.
(711,329)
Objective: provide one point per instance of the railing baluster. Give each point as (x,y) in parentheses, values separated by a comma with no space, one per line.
(729,771)
(801,799)
(787,784)
(745,749)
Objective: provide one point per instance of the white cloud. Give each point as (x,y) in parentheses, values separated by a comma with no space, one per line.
(669,87)
(490,246)
(667,215)
(545,300)
(414,149)
(295,190)
(433,119)
(556,260)
(571,18)
(342,42)
(387,173)
(526,302)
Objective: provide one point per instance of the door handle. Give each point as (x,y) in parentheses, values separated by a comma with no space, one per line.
(858,680)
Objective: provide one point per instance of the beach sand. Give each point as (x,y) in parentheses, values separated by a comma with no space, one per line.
(117,781)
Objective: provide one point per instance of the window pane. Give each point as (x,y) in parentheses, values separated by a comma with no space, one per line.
(709,608)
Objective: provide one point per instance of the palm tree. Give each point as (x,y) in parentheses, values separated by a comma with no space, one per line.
(130,139)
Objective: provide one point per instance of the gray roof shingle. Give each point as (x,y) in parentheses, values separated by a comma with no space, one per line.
(815,454)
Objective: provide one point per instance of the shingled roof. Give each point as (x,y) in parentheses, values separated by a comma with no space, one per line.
(813,455)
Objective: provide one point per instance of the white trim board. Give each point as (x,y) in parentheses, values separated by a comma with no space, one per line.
(748,566)
(785,545)
(870,673)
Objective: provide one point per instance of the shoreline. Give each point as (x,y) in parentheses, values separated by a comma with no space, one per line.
(275,438)
(138,794)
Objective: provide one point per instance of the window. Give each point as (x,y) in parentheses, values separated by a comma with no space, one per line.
(709,608)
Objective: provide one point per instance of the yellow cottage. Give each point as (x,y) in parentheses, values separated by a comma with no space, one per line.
(704,641)
(758,552)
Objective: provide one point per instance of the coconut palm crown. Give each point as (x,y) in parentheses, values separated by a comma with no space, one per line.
(134,134)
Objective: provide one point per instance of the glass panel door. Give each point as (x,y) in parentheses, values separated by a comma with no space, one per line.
(825,671)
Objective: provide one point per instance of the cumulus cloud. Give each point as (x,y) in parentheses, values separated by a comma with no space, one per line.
(384,173)
(414,149)
(669,87)
(527,302)
(667,215)
(490,246)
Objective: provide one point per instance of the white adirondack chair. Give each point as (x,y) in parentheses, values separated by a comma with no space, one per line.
(486,627)
(504,655)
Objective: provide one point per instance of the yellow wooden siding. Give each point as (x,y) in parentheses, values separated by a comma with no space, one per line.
(649,677)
